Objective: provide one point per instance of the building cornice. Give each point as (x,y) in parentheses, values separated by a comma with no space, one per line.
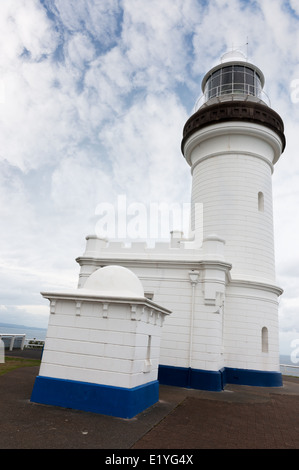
(244,111)
(84,296)
(163,263)
(256,285)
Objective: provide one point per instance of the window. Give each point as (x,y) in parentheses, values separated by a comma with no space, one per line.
(239,79)
(148,363)
(261,201)
(227,80)
(249,81)
(215,84)
(264,339)
(233,79)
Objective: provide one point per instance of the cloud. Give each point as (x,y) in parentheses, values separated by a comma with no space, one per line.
(97,18)
(144,146)
(295,6)
(156,40)
(86,182)
(31,315)
(80,50)
(26,28)
(27,38)
(94,96)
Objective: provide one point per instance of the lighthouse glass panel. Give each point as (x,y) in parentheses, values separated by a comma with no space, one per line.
(232,79)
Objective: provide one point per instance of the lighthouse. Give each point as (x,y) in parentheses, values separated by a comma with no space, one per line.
(232,143)
(218,282)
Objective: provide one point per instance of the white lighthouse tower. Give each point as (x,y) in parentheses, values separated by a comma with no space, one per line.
(232,143)
(222,292)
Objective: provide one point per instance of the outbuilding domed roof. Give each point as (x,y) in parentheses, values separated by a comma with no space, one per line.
(115,281)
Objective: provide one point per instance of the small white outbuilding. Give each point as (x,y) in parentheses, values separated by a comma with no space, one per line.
(102,347)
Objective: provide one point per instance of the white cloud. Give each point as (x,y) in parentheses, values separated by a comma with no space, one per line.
(95,98)
(144,147)
(33,27)
(108,80)
(24,25)
(80,50)
(155,40)
(86,184)
(31,315)
(295,5)
(96,17)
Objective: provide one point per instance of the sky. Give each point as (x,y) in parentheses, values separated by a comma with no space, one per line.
(94,95)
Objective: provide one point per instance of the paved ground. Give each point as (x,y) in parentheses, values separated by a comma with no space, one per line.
(239,417)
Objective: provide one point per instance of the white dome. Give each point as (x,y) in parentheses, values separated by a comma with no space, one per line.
(233,56)
(115,281)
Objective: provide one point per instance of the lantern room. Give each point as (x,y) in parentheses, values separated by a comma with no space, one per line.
(234,76)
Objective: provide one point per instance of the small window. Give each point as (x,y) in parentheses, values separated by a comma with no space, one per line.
(148,363)
(261,201)
(215,84)
(227,80)
(239,80)
(264,339)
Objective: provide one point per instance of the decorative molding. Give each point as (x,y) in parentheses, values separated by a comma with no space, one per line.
(79,296)
(234,111)
(105,310)
(52,306)
(193,264)
(78,308)
(134,312)
(250,284)
(231,152)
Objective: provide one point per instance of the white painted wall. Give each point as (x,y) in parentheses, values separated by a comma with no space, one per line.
(247,311)
(236,295)
(185,342)
(231,163)
(104,341)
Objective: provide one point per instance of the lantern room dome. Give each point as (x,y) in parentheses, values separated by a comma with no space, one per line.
(115,281)
(233,55)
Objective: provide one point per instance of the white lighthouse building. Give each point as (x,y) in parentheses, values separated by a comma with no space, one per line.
(222,292)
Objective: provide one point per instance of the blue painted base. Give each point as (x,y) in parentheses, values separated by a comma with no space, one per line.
(103,399)
(257,378)
(216,381)
(190,378)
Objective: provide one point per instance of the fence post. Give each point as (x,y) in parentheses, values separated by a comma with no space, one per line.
(12,343)
(2,351)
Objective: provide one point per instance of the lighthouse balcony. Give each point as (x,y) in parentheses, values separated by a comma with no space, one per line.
(219,96)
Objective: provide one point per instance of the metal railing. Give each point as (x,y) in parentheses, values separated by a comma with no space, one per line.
(13,337)
(234,93)
(34,344)
(289,369)
(19,341)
